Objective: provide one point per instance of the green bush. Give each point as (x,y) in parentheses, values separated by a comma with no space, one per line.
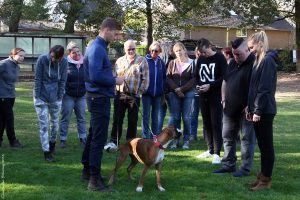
(286,61)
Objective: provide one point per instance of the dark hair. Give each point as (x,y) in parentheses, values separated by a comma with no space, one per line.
(58,51)
(237,42)
(228,51)
(15,51)
(111,23)
(203,43)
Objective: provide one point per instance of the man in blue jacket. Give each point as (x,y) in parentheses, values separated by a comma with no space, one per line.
(100,86)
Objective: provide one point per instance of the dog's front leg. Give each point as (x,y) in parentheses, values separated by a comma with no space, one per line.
(158,183)
(141,183)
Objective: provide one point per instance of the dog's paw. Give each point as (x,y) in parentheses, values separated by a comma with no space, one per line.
(161,189)
(139,189)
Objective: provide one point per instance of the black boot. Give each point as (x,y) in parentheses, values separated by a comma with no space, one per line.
(52,147)
(48,156)
(96,184)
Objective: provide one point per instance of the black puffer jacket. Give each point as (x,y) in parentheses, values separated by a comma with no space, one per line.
(261,99)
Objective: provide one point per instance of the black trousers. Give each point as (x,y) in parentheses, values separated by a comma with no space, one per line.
(212,111)
(130,104)
(264,134)
(7,119)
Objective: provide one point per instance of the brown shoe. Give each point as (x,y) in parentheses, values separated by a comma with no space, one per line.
(96,184)
(264,183)
(16,144)
(253,184)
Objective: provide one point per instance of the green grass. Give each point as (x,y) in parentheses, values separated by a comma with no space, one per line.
(27,176)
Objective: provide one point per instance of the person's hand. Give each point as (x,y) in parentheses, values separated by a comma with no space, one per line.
(120,80)
(179,92)
(204,88)
(256,118)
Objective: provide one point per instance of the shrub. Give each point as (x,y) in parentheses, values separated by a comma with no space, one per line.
(286,61)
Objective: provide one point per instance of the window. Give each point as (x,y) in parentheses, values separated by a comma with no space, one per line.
(241,32)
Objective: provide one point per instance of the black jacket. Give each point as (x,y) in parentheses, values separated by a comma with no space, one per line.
(75,82)
(237,86)
(261,98)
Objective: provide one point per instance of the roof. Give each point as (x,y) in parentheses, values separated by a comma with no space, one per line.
(234,21)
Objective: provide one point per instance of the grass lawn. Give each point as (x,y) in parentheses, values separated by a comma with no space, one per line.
(25,174)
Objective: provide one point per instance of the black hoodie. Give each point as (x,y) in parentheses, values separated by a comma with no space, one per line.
(261,98)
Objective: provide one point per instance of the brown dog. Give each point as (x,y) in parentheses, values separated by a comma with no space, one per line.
(147,152)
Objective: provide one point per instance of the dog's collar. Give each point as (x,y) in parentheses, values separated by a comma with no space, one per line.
(157,143)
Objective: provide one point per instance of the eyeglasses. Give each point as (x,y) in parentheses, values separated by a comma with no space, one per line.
(133,49)
(154,50)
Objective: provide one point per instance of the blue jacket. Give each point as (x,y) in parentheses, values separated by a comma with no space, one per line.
(98,69)
(75,81)
(9,72)
(50,79)
(157,76)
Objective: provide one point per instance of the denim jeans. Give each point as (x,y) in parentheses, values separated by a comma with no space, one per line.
(68,104)
(150,105)
(264,134)
(92,154)
(44,110)
(181,108)
(195,114)
(7,119)
(231,128)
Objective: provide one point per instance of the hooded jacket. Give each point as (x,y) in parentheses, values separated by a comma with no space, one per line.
(157,76)
(9,72)
(261,98)
(50,79)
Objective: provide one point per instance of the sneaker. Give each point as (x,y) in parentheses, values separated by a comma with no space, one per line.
(110,147)
(63,144)
(205,154)
(216,159)
(224,170)
(175,144)
(186,145)
(16,144)
(240,173)
(193,138)
(48,157)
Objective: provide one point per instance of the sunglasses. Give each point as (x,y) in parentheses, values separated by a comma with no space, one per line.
(133,49)
(154,50)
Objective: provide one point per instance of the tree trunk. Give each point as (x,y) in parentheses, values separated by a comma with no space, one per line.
(14,19)
(297,19)
(150,23)
(72,15)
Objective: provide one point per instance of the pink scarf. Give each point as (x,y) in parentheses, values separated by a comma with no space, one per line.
(78,63)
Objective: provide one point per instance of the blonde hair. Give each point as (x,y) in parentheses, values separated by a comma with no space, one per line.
(155,44)
(260,38)
(180,45)
(70,46)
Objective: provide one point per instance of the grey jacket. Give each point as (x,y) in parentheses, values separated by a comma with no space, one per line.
(9,72)
(50,79)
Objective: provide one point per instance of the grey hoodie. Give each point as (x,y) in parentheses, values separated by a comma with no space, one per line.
(9,72)
(50,79)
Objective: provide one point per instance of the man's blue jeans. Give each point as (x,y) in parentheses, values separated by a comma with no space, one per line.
(100,112)
(231,128)
(181,107)
(68,104)
(150,105)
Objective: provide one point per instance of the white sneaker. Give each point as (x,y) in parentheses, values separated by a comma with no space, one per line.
(216,159)
(175,144)
(110,147)
(186,145)
(205,154)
